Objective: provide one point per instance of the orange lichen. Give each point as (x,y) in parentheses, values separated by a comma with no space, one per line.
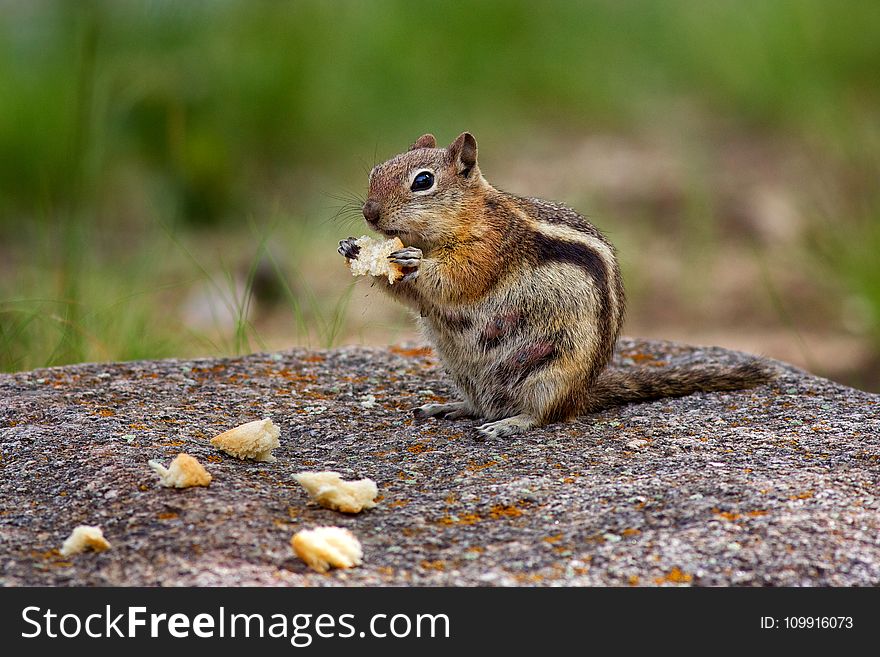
(473,466)
(105,412)
(48,554)
(802,496)
(674,576)
(469,519)
(631,531)
(649,360)
(633,580)
(727,515)
(54,556)
(439,564)
(206,370)
(464,519)
(501,511)
(167,515)
(552,539)
(295,376)
(412,353)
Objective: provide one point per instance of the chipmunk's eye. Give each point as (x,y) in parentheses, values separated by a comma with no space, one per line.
(423,180)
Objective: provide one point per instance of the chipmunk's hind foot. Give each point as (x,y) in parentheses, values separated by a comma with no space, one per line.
(509,426)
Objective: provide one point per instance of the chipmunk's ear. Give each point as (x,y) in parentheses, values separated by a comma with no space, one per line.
(463,152)
(425,141)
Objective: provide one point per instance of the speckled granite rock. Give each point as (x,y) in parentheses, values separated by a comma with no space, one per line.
(778,485)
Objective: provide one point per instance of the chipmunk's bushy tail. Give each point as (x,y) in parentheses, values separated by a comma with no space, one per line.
(616,387)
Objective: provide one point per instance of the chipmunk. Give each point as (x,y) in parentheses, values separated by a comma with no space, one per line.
(521,298)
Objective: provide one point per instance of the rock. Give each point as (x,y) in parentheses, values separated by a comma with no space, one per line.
(777,485)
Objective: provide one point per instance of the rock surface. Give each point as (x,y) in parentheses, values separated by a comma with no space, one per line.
(778,485)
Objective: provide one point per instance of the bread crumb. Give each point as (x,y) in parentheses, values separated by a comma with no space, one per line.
(330,491)
(254,440)
(325,547)
(373,260)
(83,538)
(183,472)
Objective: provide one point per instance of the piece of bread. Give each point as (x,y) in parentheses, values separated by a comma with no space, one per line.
(254,440)
(325,547)
(330,491)
(372,259)
(183,472)
(83,538)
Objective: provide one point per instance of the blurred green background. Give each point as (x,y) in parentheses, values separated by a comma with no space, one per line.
(174,176)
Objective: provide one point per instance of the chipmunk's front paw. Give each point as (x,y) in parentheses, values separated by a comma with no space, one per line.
(348,248)
(453,411)
(408,258)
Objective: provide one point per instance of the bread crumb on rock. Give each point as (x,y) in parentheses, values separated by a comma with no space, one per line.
(372,259)
(330,491)
(183,472)
(254,440)
(83,538)
(323,548)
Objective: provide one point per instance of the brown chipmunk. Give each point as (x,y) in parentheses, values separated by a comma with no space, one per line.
(522,298)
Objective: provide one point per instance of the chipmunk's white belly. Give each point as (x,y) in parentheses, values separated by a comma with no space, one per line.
(523,347)
(472,367)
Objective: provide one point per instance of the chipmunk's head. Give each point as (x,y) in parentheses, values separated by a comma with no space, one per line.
(419,195)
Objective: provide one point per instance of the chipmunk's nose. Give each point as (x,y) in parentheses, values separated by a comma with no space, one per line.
(371,211)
